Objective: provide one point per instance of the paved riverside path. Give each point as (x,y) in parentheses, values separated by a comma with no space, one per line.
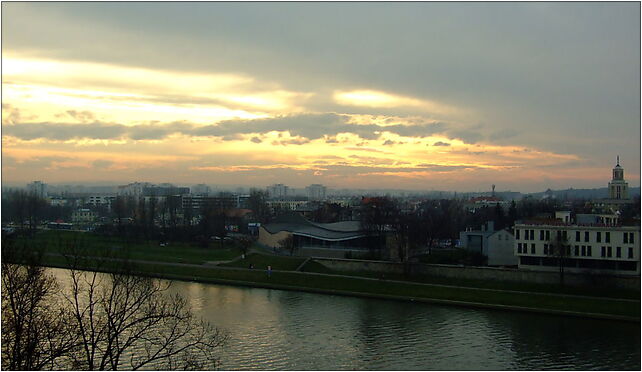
(210,265)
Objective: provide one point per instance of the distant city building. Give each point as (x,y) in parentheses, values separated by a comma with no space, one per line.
(200,189)
(83,216)
(37,188)
(618,187)
(281,205)
(198,202)
(133,189)
(165,190)
(316,192)
(242,201)
(485,201)
(100,200)
(277,191)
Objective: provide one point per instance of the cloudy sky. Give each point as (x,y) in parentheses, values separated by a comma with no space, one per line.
(446,96)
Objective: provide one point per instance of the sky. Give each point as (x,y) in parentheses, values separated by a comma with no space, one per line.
(417,96)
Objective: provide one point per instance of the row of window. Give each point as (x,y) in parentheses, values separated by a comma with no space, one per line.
(583,251)
(545,235)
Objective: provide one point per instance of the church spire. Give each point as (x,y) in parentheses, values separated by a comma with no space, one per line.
(618,160)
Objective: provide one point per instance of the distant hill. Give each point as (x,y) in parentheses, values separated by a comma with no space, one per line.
(599,193)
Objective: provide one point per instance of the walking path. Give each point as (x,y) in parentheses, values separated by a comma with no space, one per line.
(214,265)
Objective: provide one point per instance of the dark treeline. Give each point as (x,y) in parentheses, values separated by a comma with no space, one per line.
(412,224)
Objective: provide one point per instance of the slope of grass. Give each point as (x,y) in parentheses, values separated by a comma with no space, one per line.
(355,285)
(261,262)
(97,245)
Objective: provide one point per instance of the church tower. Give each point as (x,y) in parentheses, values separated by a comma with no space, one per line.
(618,187)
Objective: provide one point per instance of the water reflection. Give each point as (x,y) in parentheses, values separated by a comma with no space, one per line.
(271,329)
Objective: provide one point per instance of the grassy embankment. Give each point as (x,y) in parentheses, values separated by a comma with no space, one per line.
(284,277)
(59,242)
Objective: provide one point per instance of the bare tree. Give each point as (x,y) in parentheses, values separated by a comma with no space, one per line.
(35,332)
(129,322)
(244,244)
(99,321)
(288,244)
(559,249)
(377,217)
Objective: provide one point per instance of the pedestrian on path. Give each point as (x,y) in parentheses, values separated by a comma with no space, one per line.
(269,271)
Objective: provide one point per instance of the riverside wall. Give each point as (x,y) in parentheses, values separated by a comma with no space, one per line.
(484,273)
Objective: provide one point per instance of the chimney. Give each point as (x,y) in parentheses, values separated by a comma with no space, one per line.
(490,226)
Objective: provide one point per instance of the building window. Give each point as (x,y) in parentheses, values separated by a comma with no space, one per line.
(631,238)
(559,235)
(603,251)
(626,237)
(618,252)
(577,236)
(532,234)
(607,237)
(533,248)
(519,247)
(609,251)
(598,237)
(516,233)
(583,251)
(630,252)
(564,235)
(548,235)
(499,237)
(541,235)
(588,251)
(577,250)
(586,236)
(568,250)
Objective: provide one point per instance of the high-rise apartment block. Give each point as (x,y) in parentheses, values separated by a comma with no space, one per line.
(316,192)
(37,188)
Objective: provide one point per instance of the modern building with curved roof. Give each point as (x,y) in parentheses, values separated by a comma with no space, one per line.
(317,239)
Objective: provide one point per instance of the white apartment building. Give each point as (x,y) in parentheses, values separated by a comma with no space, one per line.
(38,188)
(96,200)
(82,216)
(316,192)
(278,190)
(285,204)
(133,189)
(590,248)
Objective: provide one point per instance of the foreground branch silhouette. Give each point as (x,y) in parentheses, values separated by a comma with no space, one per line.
(99,321)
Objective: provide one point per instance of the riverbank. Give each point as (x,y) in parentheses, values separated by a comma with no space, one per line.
(180,261)
(556,304)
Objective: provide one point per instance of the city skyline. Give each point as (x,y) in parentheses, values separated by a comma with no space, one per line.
(416,96)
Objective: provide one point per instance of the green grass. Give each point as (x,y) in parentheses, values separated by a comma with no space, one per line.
(261,261)
(313,266)
(97,245)
(306,281)
(51,241)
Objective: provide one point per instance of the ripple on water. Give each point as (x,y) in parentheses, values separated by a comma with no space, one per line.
(279,330)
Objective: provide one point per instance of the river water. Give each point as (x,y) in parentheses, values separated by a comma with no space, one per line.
(282,330)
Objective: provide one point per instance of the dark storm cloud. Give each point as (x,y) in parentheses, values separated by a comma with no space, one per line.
(63,132)
(440,143)
(82,116)
(306,127)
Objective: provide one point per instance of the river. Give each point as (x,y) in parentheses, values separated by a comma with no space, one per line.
(283,330)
